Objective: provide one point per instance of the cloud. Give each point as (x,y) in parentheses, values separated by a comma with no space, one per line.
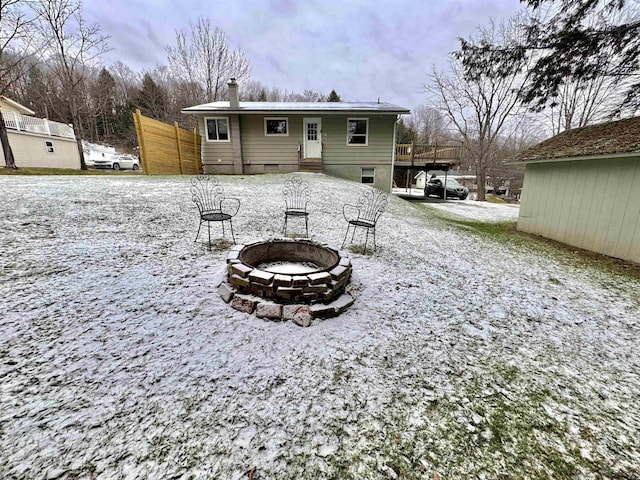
(364,49)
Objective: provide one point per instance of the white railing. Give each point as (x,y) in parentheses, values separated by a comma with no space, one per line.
(24,123)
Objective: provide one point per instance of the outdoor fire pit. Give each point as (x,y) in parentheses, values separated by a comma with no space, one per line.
(287,280)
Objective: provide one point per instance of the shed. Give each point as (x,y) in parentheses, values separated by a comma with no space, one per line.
(38,142)
(351,140)
(582,188)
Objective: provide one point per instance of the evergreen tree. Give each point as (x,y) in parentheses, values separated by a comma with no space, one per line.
(583,40)
(152,99)
(333,97)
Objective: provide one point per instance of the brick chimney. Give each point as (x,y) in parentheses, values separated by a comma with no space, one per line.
(233,94)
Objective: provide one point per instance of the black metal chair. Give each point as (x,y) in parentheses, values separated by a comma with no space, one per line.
(296,197)
(208,195)
(365,213)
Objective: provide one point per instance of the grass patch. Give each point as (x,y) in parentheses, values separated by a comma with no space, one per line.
(218,244)
(361,250)
(507,233)
(63,171)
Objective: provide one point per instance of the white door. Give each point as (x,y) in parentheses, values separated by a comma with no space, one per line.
(313,137)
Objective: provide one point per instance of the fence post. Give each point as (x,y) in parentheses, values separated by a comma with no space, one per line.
(46,127)
(137,120)
(177,130)
(15,119)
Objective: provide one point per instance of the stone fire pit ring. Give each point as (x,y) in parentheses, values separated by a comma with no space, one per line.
(294,280)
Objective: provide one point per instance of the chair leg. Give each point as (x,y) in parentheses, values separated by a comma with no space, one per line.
(197,234)
(286,217)
(306,225)
(366,240)
(222,228)
(346,234)
(353,234)
(232,235)
(209,230)
(374,238)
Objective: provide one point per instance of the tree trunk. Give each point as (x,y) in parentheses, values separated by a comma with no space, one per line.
(9,160)
(481,182)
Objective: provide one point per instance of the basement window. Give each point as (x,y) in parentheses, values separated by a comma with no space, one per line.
(368,175)
(48,146)
(276,127)
(217,129)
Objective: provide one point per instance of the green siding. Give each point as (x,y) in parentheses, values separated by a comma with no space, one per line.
(217,157)
(591,204)
(261,153)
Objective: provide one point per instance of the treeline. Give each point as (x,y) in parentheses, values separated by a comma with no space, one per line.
(51,62)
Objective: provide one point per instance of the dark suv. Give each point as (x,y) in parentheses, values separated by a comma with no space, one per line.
(435,186)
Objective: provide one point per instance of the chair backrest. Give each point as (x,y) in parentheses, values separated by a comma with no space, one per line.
(207,193)
(296,194)
(371,204)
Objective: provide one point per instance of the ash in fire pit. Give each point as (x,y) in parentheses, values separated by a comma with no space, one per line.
(281,279)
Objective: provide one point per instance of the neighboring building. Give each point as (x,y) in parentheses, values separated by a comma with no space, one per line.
(38,142)
(355,141)
(582,188)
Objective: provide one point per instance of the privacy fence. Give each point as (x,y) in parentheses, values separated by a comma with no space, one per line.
(167,149)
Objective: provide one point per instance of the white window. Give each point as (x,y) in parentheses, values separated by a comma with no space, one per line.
(368,175)
(276,126)
(48,146)
(357,131)
(217,129)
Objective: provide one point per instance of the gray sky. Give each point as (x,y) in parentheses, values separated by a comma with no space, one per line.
(362,49)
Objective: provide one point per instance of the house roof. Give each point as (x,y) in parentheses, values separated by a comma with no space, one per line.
(621,136)
(299,107)
(18,106)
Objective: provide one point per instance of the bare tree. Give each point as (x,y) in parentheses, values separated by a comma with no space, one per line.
(73,47)
(202,57)
(478,100)
(15,47)
(428,124)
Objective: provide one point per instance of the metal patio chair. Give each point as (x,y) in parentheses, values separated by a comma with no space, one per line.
(213,206)
(365,213)
(296,197)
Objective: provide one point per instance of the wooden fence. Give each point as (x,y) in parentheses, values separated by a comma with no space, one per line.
(167,149)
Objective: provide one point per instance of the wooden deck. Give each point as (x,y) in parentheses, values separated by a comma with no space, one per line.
(409,155)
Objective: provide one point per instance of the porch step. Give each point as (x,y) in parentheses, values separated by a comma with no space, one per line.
(311,165)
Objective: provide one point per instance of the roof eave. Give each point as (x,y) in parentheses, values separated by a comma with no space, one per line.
(574,159)
(295,112)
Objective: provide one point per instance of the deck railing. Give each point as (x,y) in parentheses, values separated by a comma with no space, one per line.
(24,123)
(420,153)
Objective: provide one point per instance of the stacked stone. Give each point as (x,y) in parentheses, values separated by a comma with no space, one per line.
(252,290)
(309,288)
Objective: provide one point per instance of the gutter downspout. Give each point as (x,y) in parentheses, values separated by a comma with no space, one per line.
(393,153)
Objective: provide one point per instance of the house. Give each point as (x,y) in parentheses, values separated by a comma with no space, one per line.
(355,141)
(38,142)
(582,187)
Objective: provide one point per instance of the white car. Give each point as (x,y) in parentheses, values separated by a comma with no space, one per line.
(120,162)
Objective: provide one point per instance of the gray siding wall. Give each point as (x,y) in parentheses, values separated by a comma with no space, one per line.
(217,157)
(263,154)
(590,204)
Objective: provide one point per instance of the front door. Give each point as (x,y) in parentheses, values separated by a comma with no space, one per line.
(313,137)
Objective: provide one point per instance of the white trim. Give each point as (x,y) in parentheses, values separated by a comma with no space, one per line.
(366,135)
(206,130)
(276,134)
(372,176)
(19,106)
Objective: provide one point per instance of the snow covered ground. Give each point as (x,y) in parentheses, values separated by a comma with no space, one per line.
(465,354)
